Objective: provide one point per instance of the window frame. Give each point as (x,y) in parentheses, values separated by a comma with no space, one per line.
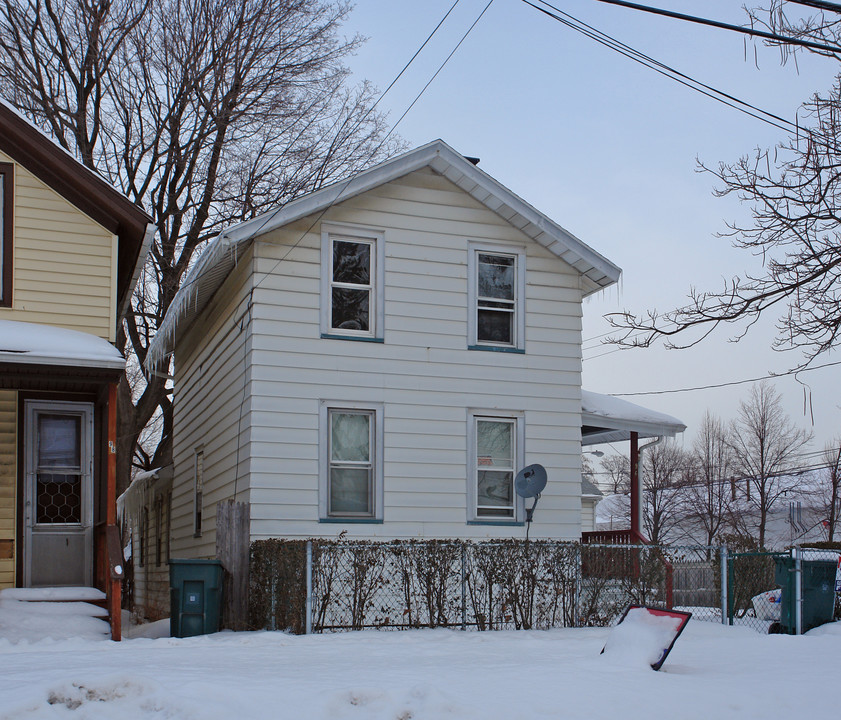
(7,224)
(198,490)
(376,411)
(331,232)
(519,324)
(517,418)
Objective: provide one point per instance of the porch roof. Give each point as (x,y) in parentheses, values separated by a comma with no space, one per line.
(23,343)
(610,419)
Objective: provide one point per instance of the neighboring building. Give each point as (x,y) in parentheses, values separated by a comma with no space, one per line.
(143,511)
(590,497)
(379,358)
(71,248)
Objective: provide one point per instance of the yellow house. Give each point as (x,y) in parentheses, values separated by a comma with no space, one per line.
(71,249)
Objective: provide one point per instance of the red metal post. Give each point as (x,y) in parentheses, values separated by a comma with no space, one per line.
(114,586)
(636,486)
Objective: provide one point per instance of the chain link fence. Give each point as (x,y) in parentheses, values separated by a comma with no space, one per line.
(327,586)
(331,586)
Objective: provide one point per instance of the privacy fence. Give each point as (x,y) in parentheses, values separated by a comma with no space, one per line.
(322,586)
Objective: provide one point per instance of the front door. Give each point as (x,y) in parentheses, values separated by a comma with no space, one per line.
(58,493)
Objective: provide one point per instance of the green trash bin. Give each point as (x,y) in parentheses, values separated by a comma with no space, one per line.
(818,592)
(195,592)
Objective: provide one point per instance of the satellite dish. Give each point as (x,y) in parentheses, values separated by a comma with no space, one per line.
(530,481)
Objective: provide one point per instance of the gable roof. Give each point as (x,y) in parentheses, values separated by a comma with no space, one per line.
(85,190)
(220,256)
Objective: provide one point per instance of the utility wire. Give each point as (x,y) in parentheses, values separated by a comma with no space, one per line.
(785,39)
(342,185)
(623,49)
(770,376)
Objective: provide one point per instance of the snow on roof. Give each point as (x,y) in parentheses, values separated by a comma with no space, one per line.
(607,419)
(220,255)
(35,344)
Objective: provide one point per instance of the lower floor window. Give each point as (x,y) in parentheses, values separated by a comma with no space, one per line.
(352,465)
(494,460)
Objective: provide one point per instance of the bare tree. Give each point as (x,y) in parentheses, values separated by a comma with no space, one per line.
(663,474)
(827,491)
(206,112)
(616,473)
(765,444)
(706,498)
(794,191)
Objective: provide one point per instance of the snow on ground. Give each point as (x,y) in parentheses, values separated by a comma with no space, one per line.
(713,672)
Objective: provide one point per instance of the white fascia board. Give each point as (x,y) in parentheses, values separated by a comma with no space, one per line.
(632,425)
(23,358)
(135,276)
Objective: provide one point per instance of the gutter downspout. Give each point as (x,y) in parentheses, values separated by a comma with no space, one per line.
(636,520)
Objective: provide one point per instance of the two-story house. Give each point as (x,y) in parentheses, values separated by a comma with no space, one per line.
(380,358)
(71,249)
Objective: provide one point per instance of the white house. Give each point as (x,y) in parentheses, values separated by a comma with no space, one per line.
(379,358)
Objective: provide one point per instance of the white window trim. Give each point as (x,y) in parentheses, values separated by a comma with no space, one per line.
(378,410)
(519,253)
(474,414)
(376,314)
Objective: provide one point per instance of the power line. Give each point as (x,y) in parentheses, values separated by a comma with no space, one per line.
(769,376)
(343,184)
(818,5)
(666,70)
(785,39)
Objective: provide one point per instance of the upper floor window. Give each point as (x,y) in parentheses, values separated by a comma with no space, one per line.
(7,176)
(497,299)
(352,283)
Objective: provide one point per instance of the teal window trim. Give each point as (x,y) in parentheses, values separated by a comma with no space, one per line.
(352,521)
(329,336)
(498,523)
(494,348)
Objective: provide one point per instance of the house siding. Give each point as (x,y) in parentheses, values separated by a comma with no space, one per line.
(64,264)
(8,482)
(422,373)
(211,411)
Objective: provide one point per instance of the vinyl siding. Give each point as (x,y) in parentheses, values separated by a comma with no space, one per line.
(8,480)
(423,372)
(588,514)
(210,396)
(65,264)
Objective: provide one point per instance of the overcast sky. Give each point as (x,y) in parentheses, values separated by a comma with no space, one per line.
(608,148)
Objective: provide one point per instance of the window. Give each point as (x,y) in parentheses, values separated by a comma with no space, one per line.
(6,231)
(198,490)
(351,467)
(352,283)
(158,529)
(496,453)
(497,299)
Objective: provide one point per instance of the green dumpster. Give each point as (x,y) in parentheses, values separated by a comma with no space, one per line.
(195,591)
(818,594)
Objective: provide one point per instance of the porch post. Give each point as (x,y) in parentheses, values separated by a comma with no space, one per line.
(114,555)
(636,488)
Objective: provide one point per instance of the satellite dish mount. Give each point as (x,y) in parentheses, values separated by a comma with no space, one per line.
(530,482)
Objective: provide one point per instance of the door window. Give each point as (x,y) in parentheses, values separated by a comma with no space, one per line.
(59,469)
